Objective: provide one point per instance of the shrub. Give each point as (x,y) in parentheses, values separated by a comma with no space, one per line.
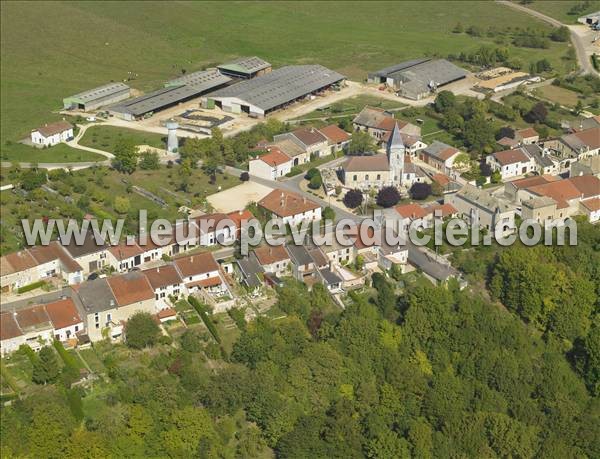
(353,199)
(200,309)
(141,331)
(316,182)
(32,286)
(312,172)
(244,176)
(388,196)
(294,171)
(238,316)
(420,190)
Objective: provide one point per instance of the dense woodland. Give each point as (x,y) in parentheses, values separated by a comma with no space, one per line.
(406,370)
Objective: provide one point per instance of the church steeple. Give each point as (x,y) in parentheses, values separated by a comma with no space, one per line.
(395,152)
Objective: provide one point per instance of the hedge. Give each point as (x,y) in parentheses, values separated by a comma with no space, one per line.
(29,287)
(65,356)
(202,312)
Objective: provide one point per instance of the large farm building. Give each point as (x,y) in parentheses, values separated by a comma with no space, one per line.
(274,90)
(418,78)
(97,97)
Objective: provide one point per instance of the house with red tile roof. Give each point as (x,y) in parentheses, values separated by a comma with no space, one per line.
(338,138)
(272,165)
(309,139)
(274,259)
(165,281)
(65,318)
(577,145)
(125,256)
(200,271)
(511,163)
(379,123)
(290,208)
(36,263)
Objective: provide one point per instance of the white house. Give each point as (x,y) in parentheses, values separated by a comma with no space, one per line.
(200,271)
(274,259)
(290,208)
(52,134)
(165,281)
(270,166)
(124,256)
(65,319)
(215,229)
(511,163)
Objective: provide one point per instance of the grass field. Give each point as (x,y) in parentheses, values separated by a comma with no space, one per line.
(351,106)
(560,9)
(106,137)
(563,96)
(51,50)
(57,154)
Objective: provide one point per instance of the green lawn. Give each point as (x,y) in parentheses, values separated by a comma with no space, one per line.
(352,106)
(61,153)
(560,9)
(51,50)
(106,137)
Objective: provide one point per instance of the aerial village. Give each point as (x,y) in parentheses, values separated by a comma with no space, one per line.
(80,294)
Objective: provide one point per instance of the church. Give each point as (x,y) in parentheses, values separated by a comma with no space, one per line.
(379,170)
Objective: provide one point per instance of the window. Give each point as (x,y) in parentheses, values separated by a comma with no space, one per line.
(76,328)
(378,176)
(97,326)
(355,178)
(109,317)
(367,177)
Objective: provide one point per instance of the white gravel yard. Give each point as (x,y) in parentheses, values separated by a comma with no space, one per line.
(238,197)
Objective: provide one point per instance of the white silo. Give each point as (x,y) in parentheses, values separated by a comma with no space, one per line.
(172,142)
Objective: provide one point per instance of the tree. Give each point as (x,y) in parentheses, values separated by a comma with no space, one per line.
(388,196)
(436,189)
(32,179)
(244,176)
(45,367)
(361,143)
(149,161)
(328,214)
(312,172)
(578,108)
(537,114)
(121,204)
(420,190)
(485,169)
(315,182)
(445,101)
(561,34)
(141,330)
(126,157)
(496,177)
(479,133)
(353,199)
(505,131)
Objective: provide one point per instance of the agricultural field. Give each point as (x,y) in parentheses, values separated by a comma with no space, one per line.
(566,11)
(147,43)
(94,191)
(106,137)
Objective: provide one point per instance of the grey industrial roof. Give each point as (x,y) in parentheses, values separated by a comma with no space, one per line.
(162,97)
(280,86)
(100,92)
(201,81)
(96,296)
(440,71)
(246,65)
(395,68)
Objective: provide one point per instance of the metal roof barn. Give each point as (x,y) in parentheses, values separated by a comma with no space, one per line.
(202,80)
(275,89)
(245,67)
(102,95)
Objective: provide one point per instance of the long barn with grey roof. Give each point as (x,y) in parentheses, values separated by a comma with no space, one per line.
(418,78)
(277,89)
(98,97)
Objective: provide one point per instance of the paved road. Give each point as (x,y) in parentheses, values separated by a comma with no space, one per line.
(578,41)
(50,166)
(75,142)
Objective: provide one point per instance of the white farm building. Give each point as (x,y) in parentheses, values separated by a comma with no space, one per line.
(52,134)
